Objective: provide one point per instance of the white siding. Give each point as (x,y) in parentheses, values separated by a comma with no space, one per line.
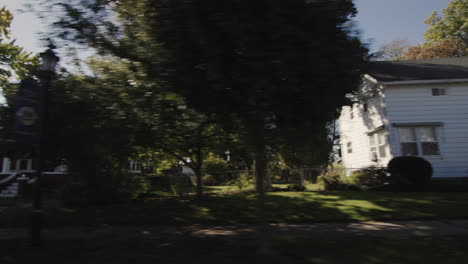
(356,130)
(415,104)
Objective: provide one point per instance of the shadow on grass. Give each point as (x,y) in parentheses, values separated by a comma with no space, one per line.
(448,250)
(282,207)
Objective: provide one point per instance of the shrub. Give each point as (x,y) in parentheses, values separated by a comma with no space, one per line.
(242,182)
(138,185)
(216,167)
(331,181)
(209,180)
(73,195)
(413,172)
(180,184)
(296,188)
(79,195)
(369,177)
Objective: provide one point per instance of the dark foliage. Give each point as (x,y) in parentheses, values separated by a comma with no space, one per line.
(370,177)
(334,182)
(296,187)
(410,172)
(278,69)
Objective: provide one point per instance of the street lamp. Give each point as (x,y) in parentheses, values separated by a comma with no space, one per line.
(46,72)
(49,60)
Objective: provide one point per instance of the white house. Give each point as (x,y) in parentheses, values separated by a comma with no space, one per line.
(409,108)
(9,165)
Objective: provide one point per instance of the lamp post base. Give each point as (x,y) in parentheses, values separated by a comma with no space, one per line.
(35,232)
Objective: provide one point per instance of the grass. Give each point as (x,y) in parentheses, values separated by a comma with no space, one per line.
(240,208)
(12,202)
(230,189)
(375,250)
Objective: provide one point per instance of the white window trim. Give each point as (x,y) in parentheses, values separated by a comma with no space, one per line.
(377,145)
(438,132)
(134,167)
(6,168)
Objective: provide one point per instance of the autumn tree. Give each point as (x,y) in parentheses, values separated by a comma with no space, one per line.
(441,49)
(452,26)
(447,35)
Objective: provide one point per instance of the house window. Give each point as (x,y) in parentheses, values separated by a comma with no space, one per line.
(365,107)
(23,164)
(428,138)
(378,147)
(349,147)
(415,140)
(135,166)
(13,164)
(438,92)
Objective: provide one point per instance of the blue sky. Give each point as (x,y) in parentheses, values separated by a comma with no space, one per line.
(382,21)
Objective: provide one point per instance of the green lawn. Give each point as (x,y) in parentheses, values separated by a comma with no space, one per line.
(230,189)
(350,250)
(283,207)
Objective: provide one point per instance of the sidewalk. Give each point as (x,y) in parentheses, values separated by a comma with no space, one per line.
(370,228)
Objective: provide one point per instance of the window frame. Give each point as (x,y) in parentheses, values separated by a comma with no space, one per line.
(379,138)
(418,139)
(431,92)
(349,147)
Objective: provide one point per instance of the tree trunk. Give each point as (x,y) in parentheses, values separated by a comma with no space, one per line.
(260,173)
(301,176)
(199,175)
(199,164)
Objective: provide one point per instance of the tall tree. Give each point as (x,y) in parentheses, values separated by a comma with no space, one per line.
(117,112)
(453,25)
(447,35)
(14,62)
(393,50)
(276,67)
(185,134)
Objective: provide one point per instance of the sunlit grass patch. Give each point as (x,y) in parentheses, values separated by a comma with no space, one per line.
(241,208)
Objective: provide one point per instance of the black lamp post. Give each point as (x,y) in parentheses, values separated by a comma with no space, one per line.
(46,72)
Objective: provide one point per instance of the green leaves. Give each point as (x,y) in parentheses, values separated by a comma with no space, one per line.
(452,26)
(14,62)
(447,35)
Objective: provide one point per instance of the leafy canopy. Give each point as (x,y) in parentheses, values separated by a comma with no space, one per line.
(14,62)
(453,25)
(277,69)
(447,35)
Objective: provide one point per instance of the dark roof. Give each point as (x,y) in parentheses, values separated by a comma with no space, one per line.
(410,70)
